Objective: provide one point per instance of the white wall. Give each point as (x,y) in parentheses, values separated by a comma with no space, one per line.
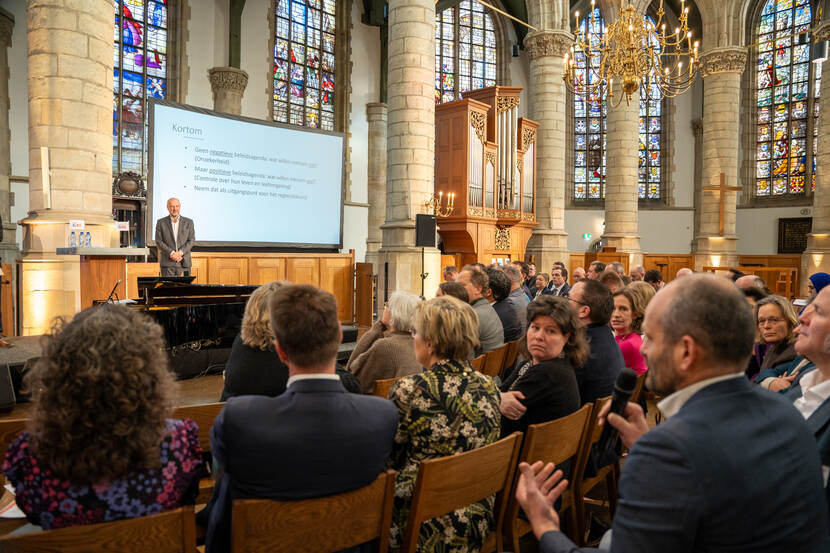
(758,228)
(19,111)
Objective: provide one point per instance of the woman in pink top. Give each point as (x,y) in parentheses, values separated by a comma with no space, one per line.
(626,321)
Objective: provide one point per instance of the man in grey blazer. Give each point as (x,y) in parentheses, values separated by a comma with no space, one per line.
(174,238)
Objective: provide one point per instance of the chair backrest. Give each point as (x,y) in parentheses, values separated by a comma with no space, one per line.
(448,483)
(638,388)
(478,362)
(168,532)
(324,524)
(493,361)
(592,435)
(552,442)
(203,416)
(10,429)
(510,357)
(383,386)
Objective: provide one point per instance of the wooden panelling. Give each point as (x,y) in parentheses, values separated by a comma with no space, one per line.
(227,270)
(364,294)
(668,264)
(199,269)
(262,270)
(774,261)
(336,276)
(135,270)
(577,260)
(99,274)
(303,270)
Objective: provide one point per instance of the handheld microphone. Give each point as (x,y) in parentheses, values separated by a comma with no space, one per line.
(604,453)
(109,298)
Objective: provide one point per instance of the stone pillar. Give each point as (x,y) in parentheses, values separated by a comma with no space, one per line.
(546,49)
(816,257)
(697,198)
(376,177)
(70,126)
(8,246)
(410,146)
(621,197)
(721,70)
(228,85)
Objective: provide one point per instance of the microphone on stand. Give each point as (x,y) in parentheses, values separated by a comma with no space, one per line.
(109,298)
(604,452)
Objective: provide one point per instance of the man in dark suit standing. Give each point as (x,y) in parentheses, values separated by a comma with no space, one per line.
(313,440)
(709,478)
(174,238)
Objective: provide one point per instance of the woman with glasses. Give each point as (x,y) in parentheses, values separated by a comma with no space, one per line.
(776,320)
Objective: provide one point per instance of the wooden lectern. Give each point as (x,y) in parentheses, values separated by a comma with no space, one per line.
(101,269)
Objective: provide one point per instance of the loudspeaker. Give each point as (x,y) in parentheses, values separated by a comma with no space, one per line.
(7,400)
(425,231)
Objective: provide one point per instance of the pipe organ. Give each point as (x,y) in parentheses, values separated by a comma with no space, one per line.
(486,154)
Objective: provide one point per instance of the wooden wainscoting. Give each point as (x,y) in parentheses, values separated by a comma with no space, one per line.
(668,264)
(782,260)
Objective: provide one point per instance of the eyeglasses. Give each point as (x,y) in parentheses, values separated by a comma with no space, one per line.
(771,320)
(577,301)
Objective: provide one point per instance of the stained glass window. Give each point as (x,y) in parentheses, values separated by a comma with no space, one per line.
(465,51)
(787,87)
(139,73)
(304,63)
(649,171)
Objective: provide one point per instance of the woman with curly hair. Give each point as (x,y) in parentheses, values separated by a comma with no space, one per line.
(626,321)
(99,446)
(544,387)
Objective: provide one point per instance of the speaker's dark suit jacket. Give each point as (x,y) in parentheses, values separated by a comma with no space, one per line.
(166,243)
(735,470)
(313,440)
(550,288)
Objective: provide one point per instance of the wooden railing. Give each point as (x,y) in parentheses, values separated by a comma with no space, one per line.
(781,280)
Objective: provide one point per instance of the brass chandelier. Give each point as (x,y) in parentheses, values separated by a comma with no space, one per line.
(634,52)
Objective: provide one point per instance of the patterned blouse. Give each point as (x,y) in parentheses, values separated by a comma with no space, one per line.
(51,503)
(445,410)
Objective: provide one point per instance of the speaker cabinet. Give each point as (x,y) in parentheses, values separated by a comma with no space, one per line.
(425,231)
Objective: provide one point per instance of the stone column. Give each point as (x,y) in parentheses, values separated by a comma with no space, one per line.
(546,49)
(697,198)
(8,246)
(410,146)
(816,257)
(621,197)
(70,126)
(228,85)
(721,70)
(376,177)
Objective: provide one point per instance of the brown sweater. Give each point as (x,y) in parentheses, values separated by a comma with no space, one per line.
(382,354)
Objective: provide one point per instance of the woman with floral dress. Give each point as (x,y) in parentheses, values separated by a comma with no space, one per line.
(447,409)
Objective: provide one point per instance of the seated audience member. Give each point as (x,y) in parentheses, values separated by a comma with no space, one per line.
(528,282)
(734,274)
(490,331)
(595,269)
(253,367)
(544,387)
(450,273)
(644,293)
(385,351)
(593,304)
(683,271)
(626,321)
(454,289)
(517,298)
(816,282)
(811,390)
(692,482)
(611,280)
(99,446)
(637,273)
(776,320)
(447,409)
(654,278)
(617,267)
(285,447)
(542,281)
(558,285)
(754,295)
(578,274)
(780,378)
(752,281)
(500,288)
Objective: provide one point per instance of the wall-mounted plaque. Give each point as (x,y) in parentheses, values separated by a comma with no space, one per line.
(792,234)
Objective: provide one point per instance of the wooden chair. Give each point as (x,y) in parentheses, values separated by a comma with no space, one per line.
(168,532)
(202,415)
(582,485)
(494,360)
(638,388)
(478,362)
(383,386)
(448,483)
(551,442)
(509,358)
(324,524)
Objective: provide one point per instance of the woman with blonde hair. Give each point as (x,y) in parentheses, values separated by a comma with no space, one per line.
(253,367)
(447,409)
(776,319)
(626,321)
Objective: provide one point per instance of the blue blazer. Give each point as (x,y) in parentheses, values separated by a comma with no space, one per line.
(550,288)
(735,470)
(313,440)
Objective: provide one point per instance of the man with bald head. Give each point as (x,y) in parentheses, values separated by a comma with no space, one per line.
(637,273)
(175,236)
(709,477)
(683,271)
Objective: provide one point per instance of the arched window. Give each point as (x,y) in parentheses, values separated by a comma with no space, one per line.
(590,130)
(465,51)
(139,73)
(787,89)
(304,63)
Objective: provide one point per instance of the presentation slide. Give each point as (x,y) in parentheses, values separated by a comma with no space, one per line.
(246,182)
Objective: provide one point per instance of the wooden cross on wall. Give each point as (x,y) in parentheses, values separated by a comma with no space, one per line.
(723,189)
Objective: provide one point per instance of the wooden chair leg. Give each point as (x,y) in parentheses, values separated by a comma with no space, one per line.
(578,516)
(611,483)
